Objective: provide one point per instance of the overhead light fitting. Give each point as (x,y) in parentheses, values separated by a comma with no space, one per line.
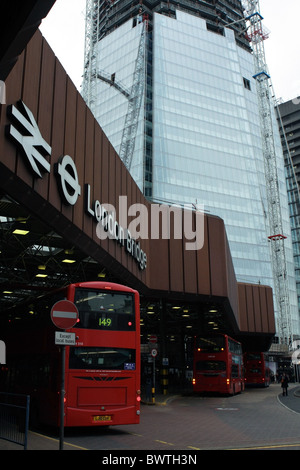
(19,231)
(70,261)
(42,267)
(41,275)
(69,251)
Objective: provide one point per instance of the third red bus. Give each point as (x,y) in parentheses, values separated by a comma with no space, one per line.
(257,370)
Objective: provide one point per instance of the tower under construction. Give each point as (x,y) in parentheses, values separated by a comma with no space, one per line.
(181,89)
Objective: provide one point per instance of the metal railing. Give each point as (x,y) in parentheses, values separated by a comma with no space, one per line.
(14,418)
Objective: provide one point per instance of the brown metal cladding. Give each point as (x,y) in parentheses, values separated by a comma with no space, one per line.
(203,263)
(30,88)
(79,154)
(218,257)
(256,311)
(69,127)
(47,75)
(9,154)
(58,127)
(190,267)
(270,309)
(242,309)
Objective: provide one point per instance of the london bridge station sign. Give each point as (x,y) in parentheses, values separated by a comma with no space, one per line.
(25,133)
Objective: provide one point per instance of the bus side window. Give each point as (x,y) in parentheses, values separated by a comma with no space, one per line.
(234,371)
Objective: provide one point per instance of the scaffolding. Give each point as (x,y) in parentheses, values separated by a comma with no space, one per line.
(134,101)
(256,35)
(95,10)
(92,23)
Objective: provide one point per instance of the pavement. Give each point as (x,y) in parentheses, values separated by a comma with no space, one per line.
(39,441)
(292,400)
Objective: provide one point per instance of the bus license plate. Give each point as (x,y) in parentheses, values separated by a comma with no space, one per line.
(102,418)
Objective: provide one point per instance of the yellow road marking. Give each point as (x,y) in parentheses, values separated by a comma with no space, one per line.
(56,440)
(275,446)
(164,442)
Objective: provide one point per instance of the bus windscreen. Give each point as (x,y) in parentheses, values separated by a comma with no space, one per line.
(210,366)
(100,358)
(104,310)
(210,345)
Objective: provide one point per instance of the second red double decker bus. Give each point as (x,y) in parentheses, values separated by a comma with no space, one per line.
(218,365)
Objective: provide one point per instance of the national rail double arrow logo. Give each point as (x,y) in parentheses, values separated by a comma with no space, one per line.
(29,138)
(32,143)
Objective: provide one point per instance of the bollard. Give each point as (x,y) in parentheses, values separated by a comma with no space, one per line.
(164,381)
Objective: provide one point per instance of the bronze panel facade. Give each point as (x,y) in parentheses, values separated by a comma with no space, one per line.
(256,310)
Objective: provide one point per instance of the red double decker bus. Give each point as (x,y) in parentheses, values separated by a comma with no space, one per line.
(218,365)
(102,371)
(257,372)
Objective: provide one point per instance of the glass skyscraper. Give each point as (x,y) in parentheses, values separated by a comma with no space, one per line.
(288,115)
(197,139)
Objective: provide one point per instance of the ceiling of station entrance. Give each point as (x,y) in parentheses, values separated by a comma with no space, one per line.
(34,258)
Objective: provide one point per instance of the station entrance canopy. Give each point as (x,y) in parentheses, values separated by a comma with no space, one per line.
(59,180)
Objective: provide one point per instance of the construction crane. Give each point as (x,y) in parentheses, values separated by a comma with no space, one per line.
(92,28)
(134,102)
(256,34)
(111,80)
(93,73)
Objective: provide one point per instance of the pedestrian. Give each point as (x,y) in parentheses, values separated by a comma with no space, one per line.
(284,384)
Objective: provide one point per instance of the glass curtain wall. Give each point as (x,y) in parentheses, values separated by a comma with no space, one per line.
(198,140)
(207,141)
(117,55)
(206,135)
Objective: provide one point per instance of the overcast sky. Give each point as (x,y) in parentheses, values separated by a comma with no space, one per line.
(64,29)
